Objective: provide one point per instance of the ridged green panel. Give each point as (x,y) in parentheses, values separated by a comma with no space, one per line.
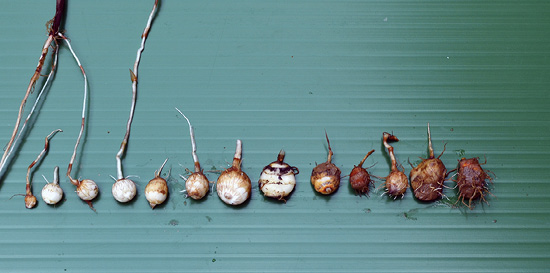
(277,74)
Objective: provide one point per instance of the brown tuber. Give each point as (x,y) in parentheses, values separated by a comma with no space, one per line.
(325,177)
(471,181)
(396,182)
(233,184)
(427,177)
(359,178)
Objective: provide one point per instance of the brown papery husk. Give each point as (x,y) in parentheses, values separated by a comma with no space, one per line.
(427,179)
(230,181)
(195,192)
(396,183)
(360,180)
(471,181)
(325,178)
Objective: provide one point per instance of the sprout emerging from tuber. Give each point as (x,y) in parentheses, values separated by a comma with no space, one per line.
(359,178)
(325,177)
(471,181)
(197,184)
(52,192)
(156,190)
(427,178)
(233,185)
(86,189)
(278,179)
(124,189)
(30,199)
(396,182)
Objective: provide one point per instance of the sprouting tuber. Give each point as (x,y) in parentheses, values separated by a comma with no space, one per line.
(428,176)
(325,177)
(359,177)
(396,182)
(52,192)
(278,179)
(471,181)
(124,189)
(156,190)
(30,199)
(86,189)
(233,185)
(197,184)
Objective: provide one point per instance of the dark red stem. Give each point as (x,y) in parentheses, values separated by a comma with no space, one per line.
(59,10)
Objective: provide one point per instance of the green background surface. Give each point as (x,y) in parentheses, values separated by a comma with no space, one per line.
(277,74)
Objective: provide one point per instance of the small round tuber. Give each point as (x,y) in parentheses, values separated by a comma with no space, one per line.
(325,177)
(156,190)
(359,178)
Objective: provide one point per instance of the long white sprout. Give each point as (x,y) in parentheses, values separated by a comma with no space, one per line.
(134,78)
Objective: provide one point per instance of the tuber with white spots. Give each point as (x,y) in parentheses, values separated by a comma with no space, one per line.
(156,190)
(278,179)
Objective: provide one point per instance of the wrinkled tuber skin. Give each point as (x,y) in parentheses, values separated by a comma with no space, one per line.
(427,178)
(397,181)
(325,177)
(360,179)
(471,181)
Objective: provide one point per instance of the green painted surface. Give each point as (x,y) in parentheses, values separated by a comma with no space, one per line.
(277,74)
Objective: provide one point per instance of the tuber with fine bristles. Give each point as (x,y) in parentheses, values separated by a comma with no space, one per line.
(359,178)
(428,176)
(396,182)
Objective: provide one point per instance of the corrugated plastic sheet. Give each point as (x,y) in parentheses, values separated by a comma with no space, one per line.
(277,74)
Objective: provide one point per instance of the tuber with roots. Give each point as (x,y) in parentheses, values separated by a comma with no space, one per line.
(471,181)
(396,182)
(428,176)
(124,189)
(359,178)
(197,184)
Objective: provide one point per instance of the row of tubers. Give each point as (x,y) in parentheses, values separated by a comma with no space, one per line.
(277,179)
(426,179)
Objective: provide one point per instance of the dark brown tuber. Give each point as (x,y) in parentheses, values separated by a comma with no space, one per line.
(471,181)
(359,178)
